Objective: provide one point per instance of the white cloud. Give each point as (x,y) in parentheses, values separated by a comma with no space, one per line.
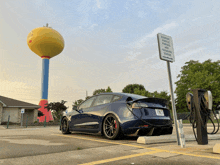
(199,18)
(93,25)
(93,59)
(189,54)
(141,14)
(132,56)
(162,29)
(154,5)
(98,4)
(140,44)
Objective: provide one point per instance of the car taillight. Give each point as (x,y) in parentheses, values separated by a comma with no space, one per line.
(139,105)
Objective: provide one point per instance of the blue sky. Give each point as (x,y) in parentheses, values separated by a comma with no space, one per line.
(107,43)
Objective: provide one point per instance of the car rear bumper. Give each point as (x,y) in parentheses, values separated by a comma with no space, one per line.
(140,128)
(153,131)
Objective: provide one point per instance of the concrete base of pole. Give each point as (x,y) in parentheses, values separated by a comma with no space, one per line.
(216,148)
(142,139)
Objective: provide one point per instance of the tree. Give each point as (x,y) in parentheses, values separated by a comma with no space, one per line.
(163,95)
(97,91)
(77,102)
(140,90)
(194,75)
(131,87)
(57,108)
(88,97)
(108,89)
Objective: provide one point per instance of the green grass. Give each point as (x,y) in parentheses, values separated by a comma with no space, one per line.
(78,148)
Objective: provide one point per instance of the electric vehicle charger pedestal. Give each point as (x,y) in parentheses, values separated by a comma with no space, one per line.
(202,136)
(216,148)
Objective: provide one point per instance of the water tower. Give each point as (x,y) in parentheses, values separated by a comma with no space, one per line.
(46,43)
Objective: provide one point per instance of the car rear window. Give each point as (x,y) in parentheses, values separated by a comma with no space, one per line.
(102,99)
(87,103)
(115,98)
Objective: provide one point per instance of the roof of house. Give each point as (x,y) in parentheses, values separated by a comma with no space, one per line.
(8,102)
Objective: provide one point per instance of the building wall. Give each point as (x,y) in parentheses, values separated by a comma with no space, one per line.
(28,116)
(15,115)
(13,112)
(1,109)
(19,115)
(35,114)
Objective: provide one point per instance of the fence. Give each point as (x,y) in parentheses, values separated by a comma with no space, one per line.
(56,122)
(185,115)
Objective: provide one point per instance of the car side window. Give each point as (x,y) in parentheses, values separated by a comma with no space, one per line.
(87,103)
(115,98)
(103,99)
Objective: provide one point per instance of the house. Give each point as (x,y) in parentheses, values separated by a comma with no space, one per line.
(13,108)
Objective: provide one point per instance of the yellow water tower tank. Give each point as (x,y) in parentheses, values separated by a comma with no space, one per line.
(45,42)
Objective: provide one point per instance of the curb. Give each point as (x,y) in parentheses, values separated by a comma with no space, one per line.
(172,138)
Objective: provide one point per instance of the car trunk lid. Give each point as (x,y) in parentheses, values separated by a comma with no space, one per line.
(150,108)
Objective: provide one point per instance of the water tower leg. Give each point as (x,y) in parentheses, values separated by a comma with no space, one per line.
(44,111)
(44,91)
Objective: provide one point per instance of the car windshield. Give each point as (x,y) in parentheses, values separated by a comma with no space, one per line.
(135,97)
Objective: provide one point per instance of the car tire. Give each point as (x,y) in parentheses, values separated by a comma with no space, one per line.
(65,126)
(111,127)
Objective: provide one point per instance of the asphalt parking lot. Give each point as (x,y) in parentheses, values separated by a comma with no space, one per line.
(46,145)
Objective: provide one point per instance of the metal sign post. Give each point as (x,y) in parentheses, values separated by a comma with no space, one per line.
(166,53)
(22,112)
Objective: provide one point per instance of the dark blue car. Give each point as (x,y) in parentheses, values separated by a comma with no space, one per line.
(117,114)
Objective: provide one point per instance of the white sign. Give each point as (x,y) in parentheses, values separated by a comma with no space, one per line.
(165,44)
(22,110)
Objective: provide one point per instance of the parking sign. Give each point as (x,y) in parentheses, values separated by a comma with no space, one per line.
(165,44)
(22,110)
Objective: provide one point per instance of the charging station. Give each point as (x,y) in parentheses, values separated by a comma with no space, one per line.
(200,105)
(201,120)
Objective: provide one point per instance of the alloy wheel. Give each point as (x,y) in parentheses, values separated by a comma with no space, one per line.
(64,126)
(111,127)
